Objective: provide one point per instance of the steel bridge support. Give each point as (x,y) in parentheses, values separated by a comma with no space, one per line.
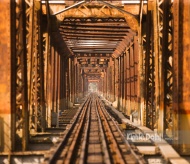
(181,71)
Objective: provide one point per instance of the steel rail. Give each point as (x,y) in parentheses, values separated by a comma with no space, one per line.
(140,161)
(94,137)
(76,137)
(67,134)
(117,154)
(84,154)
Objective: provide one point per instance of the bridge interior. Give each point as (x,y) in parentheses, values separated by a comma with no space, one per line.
(134,53)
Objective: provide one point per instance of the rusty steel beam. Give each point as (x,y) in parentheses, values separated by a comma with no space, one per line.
(36,94)
(101,10)
(167,69)
(122,82)
(99,29)
(97,20)
(149,74)
(92,44)
(159,89)
(112,86)
(63,82)
(8,76)
(92,56)
(119,82)
(93,51)
(119,9)
(55,83)
(157,52)
(116,80)
(125,43)
(72,81)
(19,87)
(176,72)
(41,69)
(95,39)
(110,46)
(104,26)
(132,74)
(82,42)
(136,75)
(183,84)
(80,36)
(128,78)
(87,33)
(70,7)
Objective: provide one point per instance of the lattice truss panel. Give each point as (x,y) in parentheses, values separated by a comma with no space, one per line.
(19,89)
(165,19)
(164,16)
(150,74)
(35,65)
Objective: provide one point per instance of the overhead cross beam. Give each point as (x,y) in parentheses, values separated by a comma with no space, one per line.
(106,3)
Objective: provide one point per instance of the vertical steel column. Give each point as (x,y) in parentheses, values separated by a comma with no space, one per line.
(64,82)
(119,83)
(150,72)
(181,73)
(37,104)
(75,81)
(41,68)
(72,80)
(82,82)
(136,75)
(122,83)
(47,69)
(105,83)
(167,70)
(116,80)
(58,88)
(52,87)
(111,80)
(61,83)
(49,89)
(69,82)
(128,77)
(45,53)
(141,68)
(19,98)
(79,81)
(176,72)
(55,82)
(132,73)
(125,80)
(8,78)
(157,24)
(100,85)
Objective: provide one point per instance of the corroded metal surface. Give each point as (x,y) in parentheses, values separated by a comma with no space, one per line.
(137,56)
(93,137)
(5,73)
(183,59)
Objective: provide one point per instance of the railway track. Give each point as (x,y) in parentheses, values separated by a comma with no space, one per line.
(93,137)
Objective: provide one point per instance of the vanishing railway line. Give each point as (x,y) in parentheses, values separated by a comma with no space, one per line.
(93,137)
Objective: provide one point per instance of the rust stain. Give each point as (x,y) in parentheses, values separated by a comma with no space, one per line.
(5,57)
(3,88)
